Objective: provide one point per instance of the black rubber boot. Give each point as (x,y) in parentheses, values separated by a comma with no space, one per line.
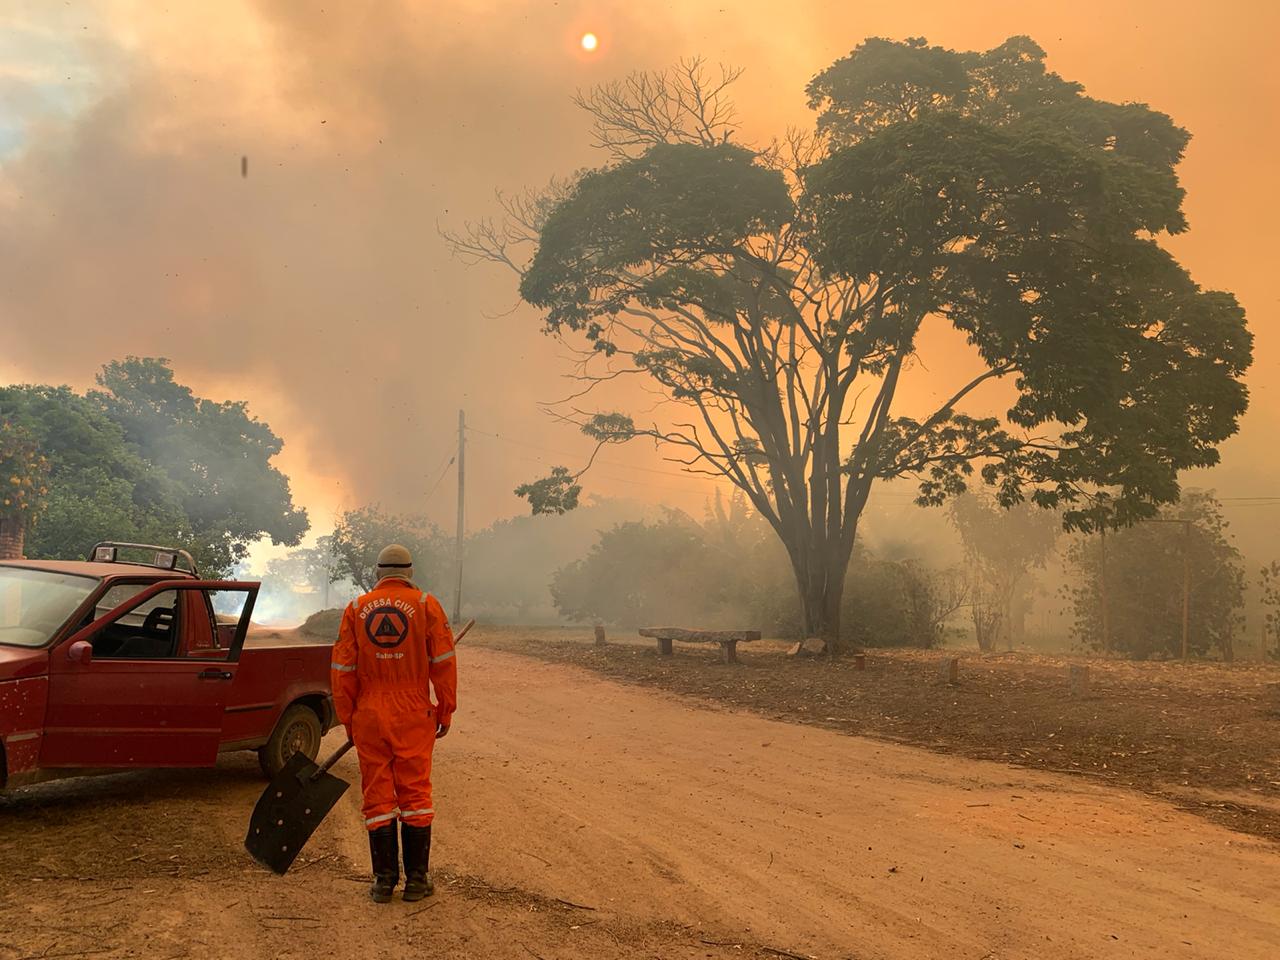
(417,857)
(385,856)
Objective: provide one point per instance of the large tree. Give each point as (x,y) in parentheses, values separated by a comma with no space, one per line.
(214,457)
(361,534)
(146,460)
(778,296)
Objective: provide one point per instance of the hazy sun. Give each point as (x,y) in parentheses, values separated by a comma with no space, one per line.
(590,41)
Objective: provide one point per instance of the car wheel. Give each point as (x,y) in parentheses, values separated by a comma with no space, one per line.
(297,732)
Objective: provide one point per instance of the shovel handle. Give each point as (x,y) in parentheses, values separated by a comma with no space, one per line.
(337,755)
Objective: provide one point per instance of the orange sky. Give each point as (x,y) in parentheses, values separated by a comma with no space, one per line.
(318,289)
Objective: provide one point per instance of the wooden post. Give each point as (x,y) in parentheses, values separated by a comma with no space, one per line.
(949,671)
(664,646)
(599,634)
(1186,590)
(1102,588)
(729,650)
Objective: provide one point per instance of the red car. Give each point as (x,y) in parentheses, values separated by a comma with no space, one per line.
(107,665)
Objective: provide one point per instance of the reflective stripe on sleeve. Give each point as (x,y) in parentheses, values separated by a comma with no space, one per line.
(423,599)
(417,813)
(386,816)
(443,656)
(341,667)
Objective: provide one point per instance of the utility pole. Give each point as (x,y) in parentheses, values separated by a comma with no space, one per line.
(462,516)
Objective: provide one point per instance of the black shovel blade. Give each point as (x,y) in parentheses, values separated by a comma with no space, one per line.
(289,810)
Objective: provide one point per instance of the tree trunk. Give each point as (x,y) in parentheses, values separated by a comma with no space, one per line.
(821,587)
(12,539)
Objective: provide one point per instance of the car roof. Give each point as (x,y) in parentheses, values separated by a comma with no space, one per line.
(102,571)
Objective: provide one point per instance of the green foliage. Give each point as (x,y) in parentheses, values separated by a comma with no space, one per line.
(24,474)
(610,428)
(597,241)
(557,493)
(636,575)
(216,456)
(146,461)
(980,188)
(361,534)
(1144,577)
(99,488)
(899,603)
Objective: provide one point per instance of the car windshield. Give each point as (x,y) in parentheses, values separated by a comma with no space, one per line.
(35,603)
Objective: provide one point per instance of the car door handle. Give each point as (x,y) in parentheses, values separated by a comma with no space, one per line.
(215,674)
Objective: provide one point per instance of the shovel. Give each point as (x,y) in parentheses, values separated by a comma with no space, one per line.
(296,801)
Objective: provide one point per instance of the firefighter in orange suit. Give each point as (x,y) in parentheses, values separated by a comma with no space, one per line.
(392,642)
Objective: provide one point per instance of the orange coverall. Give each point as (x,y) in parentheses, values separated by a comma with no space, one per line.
(392,641)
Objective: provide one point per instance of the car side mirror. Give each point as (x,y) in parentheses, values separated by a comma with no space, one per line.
(80,652)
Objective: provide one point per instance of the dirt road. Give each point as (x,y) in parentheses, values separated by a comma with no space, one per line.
(692,832)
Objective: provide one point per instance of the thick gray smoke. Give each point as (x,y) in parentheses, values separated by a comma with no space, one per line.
(317,287)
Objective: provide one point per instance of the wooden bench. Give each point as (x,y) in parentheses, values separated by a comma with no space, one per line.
(728,639)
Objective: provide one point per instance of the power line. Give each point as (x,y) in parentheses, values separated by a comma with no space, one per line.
(694,478)
(683,475)
(452,456)
(565,453)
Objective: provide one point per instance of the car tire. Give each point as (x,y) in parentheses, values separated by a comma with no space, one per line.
(298,731)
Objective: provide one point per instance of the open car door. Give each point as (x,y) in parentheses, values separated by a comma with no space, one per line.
(143,685)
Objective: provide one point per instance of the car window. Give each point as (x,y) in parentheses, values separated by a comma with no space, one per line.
(115,596)
(35,603)
(149,631)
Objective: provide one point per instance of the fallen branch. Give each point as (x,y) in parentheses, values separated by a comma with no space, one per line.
(534,856)
(74,953)
(786,953)
(576,906)
(309,919)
